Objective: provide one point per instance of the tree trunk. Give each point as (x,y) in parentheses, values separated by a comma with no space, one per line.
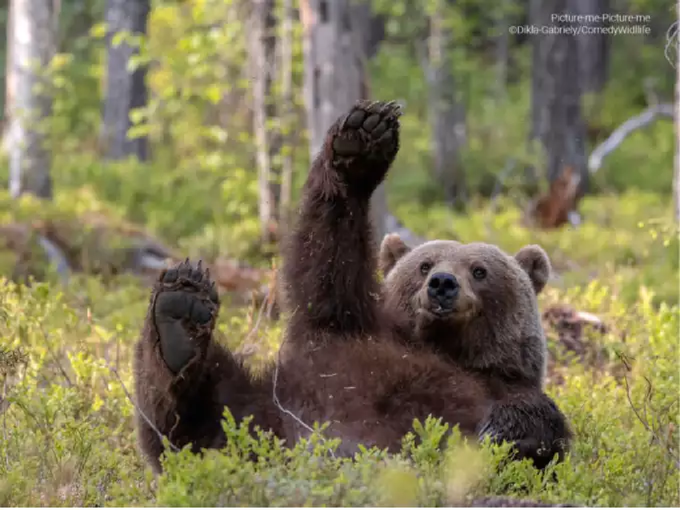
(593,48)
(556,97)
(502,46)
(29,98)
(287,113)
(676,174)
(536,17)
(263,53)
(335,74)
(10,81)
(447,115)
(125,90)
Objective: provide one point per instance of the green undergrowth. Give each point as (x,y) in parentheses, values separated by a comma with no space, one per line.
(93,236)
(628,240)
(66,417)
(67,436)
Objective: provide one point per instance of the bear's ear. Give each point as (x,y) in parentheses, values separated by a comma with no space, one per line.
(391,250)
(534,260)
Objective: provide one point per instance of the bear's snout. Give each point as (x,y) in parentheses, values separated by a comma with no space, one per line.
(443,288)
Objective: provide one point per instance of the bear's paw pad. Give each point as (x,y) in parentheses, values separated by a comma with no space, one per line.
(369,131)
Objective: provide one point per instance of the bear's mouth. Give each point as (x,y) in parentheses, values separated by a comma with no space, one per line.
(441,311)
(455,313)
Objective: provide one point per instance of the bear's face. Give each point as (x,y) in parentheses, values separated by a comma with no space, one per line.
(471,300)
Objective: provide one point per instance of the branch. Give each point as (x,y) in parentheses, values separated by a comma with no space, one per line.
(653,431)
(134,403)
(619,135)
(277,402)
(51,352)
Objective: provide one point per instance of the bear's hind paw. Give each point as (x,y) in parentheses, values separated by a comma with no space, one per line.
(184,308)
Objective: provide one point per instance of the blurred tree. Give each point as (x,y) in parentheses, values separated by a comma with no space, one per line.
(7,76)
(263,66)
(31,39)
(335,36)
(288,17)
(125,87)
(501,15)
(446,111)
(557,122)
(676,174)
(593,48)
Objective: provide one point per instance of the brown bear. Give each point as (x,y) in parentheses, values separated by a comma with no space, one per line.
(476,306)
(347,359)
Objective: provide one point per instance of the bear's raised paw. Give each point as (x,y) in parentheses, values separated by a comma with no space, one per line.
(366,138)
(185,304)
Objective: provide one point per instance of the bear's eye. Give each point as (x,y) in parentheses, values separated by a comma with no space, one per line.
(479,273)
(425,268)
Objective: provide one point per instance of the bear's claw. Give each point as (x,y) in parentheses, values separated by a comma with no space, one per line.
(185,275)
(530,448)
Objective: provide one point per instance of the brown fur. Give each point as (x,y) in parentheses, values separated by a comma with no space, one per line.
(495,325)
(187,405)
(493,328)
(343,360)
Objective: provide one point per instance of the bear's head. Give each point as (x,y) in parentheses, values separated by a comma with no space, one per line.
(472,302)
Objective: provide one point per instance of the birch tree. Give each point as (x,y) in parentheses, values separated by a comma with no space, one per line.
(287,112)
(31,38)
(263,64)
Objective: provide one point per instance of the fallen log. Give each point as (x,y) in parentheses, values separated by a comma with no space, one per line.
(95,246)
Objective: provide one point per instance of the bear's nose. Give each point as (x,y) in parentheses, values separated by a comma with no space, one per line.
(442,286)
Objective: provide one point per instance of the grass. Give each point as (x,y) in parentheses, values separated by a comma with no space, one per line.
(66,420)
(66,429)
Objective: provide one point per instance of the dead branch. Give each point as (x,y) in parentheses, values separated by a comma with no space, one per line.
(48,346)
(619,135)
(248,347)
(277,403)
(134,404)
(642,416)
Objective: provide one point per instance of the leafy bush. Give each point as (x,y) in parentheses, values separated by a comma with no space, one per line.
(66,417)
(68,439)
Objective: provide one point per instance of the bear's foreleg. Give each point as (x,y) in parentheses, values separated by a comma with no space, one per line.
(533,423)
(329,267)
